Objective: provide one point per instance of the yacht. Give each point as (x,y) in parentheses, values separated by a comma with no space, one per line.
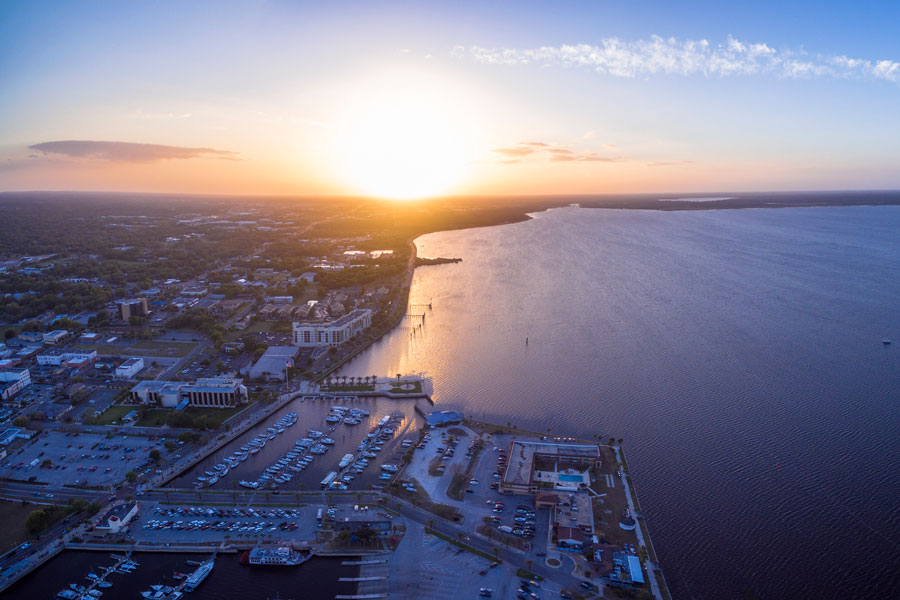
(327,441)
(197,577)
(389,468)
(314,434)
(67,595)
(346,460)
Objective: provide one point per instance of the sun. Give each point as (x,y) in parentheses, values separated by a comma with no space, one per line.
(401,143)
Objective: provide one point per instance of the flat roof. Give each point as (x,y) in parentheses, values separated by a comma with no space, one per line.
(634,568)
(341,321)
(520,461)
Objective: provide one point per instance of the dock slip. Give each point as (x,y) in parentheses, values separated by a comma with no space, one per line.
(353,563)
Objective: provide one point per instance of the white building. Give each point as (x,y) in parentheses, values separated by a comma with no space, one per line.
(51,337)
(334,333)
(57,358)
(130,368)
(13,381)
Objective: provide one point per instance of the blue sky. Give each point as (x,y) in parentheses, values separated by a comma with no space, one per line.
(623,95)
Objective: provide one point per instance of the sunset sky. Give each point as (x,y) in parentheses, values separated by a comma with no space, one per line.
(405,99)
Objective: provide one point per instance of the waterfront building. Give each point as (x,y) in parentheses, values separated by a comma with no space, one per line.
(212,392)
(442,418)
(560,466)
(117,518)
(334,333)
(273,364)
(358,518)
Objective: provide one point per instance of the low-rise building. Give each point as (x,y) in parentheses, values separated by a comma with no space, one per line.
(550,465)
(130,368)
(213,392)
(59,357)
(356,519)
(273,364)
(117,518)
(52,337)
(309,335)
(13,381)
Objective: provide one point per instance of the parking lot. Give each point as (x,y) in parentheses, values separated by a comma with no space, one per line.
(184,524)
(425,566)
(481,498)
(86,459)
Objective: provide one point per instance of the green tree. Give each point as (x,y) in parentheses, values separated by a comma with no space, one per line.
(21,421)
(154,454)
(131,476)
(37,521)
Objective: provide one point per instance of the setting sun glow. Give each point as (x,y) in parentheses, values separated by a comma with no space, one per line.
(402,145)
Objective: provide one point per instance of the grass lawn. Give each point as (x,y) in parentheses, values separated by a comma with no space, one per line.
(407,387)
(143,348)
(12,523)
(347,388)
(113,413)
(156,417)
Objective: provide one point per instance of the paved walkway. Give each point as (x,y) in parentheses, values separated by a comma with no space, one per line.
(650,566)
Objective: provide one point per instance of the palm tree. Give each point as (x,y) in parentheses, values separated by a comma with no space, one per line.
(398,378)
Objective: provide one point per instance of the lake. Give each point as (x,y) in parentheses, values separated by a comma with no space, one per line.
(738,353)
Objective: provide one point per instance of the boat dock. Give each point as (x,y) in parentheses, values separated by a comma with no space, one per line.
(356,563)
(123,564)
(358,579)
(359,596)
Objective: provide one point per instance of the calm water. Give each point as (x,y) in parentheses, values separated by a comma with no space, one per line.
(737,352)
(314,580)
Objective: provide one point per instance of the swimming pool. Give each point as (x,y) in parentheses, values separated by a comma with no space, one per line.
(566,477)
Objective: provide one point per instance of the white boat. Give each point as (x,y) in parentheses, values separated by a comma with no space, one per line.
(281,556)
(346,460)
(327,441)
(197,577)
(67,595)
(314,434)
(78,588)
(389,468)
(104,584)
(212,480)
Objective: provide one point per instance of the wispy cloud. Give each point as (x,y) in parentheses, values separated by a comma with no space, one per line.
(126,151)
(521,150)
(142,114)
(551,153)
(671,56)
